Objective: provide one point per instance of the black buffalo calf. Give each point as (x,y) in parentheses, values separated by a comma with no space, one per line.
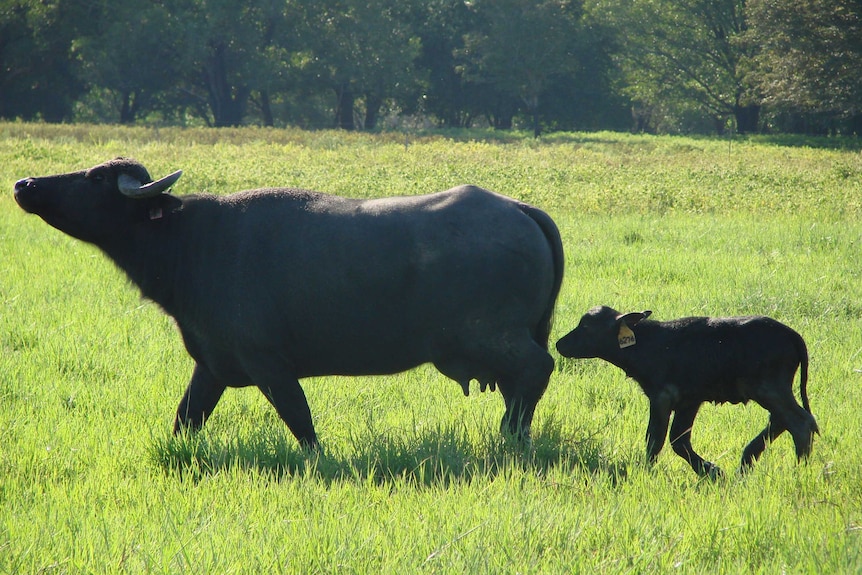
(682,363)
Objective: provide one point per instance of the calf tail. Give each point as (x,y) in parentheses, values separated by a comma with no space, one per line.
(802,350)
(803,382)
(552,233)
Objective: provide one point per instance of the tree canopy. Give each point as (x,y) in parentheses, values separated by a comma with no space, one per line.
(809,56)
(652,65)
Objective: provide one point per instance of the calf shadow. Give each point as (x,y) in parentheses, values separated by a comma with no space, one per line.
(430,457)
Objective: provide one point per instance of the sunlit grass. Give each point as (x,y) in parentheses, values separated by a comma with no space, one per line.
(414,477)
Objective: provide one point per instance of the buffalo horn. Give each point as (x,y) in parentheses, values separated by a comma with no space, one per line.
(132,188)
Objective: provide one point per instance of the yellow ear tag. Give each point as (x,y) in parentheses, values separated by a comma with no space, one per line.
(626,337)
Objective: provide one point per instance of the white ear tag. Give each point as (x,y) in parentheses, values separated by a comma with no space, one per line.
(626,337)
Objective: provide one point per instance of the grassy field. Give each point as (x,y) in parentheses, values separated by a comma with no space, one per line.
(414,477)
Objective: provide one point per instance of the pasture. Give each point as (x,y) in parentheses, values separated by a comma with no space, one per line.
(415,477)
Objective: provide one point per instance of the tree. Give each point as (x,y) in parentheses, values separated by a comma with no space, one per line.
(37,79)
(128,49)
(588,99)
(520,46)
(810,57)
(365,48)
(231,52)
(454,100)
(683,56)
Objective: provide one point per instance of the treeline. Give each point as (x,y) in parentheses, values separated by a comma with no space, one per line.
(696,66)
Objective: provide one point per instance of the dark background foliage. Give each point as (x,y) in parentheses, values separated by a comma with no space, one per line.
(674,66)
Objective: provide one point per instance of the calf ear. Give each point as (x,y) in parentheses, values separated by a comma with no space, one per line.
(635,317)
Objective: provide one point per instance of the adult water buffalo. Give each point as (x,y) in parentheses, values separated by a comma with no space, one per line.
(273,285)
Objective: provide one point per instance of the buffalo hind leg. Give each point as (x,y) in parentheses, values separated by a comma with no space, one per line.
(520,409)
(199,400)
(524,378)
(680,441)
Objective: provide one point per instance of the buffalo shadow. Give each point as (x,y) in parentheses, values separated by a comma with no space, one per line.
(428,457)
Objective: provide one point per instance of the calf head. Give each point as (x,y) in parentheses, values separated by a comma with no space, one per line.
(600,330)
(96,203)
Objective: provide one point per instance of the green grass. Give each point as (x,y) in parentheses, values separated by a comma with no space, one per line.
(414,477)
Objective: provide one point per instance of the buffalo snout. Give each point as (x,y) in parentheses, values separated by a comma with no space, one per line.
(25,194)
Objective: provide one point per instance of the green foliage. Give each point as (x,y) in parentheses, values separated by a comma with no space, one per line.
(681,60)
(414,477)
(505,54)
(670,66)
(810,55)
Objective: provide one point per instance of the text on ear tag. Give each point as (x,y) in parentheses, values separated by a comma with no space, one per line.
(626,337)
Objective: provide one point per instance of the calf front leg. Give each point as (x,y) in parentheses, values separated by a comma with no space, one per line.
(680,441)
(659,416)
(201,397)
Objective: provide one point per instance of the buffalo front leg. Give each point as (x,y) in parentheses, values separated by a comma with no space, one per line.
(680,441)
(201,397)
(288,399)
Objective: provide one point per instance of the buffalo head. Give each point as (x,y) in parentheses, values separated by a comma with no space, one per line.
(99,202)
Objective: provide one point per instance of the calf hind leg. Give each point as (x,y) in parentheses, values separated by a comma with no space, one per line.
(754,449)
(785,414)
(802,427)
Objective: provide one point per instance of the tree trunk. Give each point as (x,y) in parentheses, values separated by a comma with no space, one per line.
(747,118)
(127,116)
(373,103)
(344,106)
(266,109)
(227,102)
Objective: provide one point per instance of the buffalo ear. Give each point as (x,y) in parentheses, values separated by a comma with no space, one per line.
(162,205)
(635,317)
(170,203)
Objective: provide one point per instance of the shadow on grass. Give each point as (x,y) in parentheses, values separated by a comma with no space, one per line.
(842,143)
(424,458)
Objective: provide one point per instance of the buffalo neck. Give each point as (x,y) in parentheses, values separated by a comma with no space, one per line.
(150,252)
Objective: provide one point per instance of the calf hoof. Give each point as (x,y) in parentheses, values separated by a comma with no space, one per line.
(713,472)
(310,444)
